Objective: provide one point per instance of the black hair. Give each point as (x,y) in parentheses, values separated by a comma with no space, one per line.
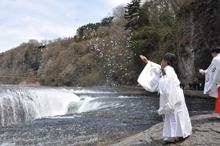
(215,49)
(170,58)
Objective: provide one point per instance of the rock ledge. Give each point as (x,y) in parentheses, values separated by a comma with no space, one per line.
(206,131)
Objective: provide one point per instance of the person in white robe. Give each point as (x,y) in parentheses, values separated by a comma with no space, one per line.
(212,78)
(163,79)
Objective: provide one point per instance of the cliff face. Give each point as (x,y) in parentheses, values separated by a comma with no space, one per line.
(15,64)
(199,29)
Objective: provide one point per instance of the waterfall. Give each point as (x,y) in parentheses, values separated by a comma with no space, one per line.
(23,103)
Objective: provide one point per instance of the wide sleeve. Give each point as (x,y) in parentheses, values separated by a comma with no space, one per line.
(212,78)
(150,76)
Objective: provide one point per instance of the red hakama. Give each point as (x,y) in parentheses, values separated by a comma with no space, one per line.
(217,103)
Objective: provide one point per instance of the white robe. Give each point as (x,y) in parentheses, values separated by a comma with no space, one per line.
(172,102)
(212,77)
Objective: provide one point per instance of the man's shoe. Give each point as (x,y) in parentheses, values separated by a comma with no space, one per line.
(169,139)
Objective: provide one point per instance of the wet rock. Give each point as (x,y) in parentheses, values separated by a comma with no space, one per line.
(206,130)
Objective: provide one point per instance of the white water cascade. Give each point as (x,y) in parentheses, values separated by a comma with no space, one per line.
(23,103)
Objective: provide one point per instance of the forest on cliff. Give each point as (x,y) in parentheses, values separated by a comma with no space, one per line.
(105,53)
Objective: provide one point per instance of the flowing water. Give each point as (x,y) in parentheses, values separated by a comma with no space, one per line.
(31,115)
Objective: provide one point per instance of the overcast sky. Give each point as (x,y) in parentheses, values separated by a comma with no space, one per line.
(22,20)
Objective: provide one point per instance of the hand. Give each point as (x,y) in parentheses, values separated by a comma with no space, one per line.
(203,72)
(144,59)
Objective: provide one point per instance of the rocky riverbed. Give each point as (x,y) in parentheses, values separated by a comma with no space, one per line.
(115,114)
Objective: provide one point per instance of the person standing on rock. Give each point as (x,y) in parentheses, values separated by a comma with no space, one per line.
(163,79)
(212,78)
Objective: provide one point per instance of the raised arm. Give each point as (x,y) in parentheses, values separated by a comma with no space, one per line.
(143,58)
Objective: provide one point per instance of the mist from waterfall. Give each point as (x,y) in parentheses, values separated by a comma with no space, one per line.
(23,103)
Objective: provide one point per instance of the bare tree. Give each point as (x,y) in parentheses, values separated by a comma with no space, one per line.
(68,74)
(119,11)
(33,41)
(44,42)
(50,67)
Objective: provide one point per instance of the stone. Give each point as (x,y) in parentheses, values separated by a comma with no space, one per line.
(206,130)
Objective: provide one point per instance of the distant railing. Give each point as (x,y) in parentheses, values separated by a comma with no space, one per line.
(19,77)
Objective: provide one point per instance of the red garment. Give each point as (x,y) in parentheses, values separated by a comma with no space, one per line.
(217,103)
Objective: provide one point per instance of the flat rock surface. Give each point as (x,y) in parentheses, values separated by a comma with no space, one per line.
(206,131)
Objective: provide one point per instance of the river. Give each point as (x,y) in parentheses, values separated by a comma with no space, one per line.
(36,115)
